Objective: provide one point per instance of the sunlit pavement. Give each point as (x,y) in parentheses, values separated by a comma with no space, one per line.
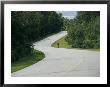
(62,62)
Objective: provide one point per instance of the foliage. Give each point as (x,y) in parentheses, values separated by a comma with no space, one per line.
(62,43)
(30,26)
(84,30)
(27,60)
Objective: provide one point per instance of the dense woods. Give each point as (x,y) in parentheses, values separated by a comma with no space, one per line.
(30,26)
(84,30)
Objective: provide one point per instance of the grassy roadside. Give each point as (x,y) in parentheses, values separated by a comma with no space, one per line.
(27,60)
(64,44)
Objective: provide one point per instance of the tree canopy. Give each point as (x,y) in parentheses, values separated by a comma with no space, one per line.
(84,30)
(30,26)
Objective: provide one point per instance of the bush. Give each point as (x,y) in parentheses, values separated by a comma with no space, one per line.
(85,30)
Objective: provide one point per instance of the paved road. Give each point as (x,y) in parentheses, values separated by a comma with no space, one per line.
(62,62)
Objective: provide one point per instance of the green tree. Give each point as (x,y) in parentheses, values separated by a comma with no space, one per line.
(84,30)
(30,26)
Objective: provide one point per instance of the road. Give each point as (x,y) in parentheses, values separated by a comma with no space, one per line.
(62,62)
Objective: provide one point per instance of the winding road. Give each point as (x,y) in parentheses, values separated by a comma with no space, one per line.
(62,62)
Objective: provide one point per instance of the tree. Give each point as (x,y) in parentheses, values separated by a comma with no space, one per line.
(30,26)
(84,30)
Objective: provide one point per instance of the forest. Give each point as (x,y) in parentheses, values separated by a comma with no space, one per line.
(31,26)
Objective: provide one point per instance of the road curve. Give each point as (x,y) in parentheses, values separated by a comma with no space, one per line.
(62,62)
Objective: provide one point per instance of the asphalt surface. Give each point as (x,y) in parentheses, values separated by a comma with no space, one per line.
(62,62)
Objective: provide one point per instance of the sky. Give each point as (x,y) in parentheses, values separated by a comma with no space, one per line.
(68,14)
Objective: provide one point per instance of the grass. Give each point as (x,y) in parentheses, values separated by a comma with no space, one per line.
(93,49)
(64,44)
(27,60)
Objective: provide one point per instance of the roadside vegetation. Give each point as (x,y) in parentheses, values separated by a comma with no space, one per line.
(84,30)
(27,60)
(61,43)
(28,27)
(64,44)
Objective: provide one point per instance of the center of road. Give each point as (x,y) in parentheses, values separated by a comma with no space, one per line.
(62,62)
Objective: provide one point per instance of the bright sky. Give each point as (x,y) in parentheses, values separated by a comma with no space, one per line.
(68,14)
